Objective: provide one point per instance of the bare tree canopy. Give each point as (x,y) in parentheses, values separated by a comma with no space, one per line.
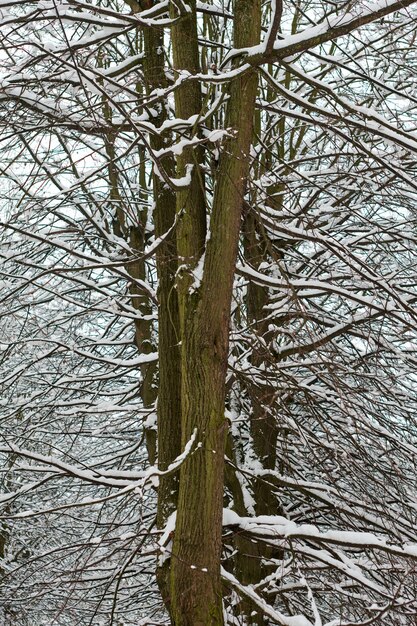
(208,322)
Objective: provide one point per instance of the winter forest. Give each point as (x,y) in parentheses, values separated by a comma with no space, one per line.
(208,313)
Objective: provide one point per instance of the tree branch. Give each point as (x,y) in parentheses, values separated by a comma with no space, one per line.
(323,32)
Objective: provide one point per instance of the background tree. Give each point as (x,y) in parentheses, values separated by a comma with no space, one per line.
(208,253)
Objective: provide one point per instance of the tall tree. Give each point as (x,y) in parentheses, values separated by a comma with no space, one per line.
(208,333)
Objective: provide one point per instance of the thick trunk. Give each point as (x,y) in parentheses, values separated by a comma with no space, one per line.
(195,582)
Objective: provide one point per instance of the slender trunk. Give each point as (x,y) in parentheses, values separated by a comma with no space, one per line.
(191,202)
(134,234)
(169,387)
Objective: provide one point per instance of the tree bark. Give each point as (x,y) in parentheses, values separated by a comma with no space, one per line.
(169,384)
(195,581)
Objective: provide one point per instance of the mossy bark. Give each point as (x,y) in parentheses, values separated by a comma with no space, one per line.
(191,201)
(169,384)
(196,588)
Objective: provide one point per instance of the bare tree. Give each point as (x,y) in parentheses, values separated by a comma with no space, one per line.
(208,312)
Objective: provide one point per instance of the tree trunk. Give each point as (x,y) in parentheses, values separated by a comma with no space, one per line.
(169,386)
(195,581)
